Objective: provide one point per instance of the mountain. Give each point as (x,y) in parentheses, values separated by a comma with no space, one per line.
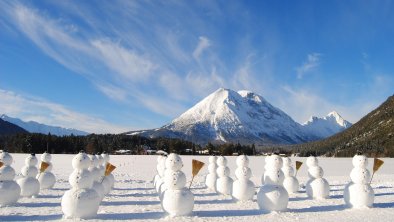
(7,128)
(326,126)
(373,134)
(34,127)
(229,116)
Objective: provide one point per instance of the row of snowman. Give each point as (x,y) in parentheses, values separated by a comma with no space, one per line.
(89,185)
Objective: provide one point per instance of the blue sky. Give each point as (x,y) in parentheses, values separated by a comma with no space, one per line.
(113,66)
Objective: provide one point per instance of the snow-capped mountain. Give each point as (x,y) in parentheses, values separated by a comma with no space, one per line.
(34,127)
(326,126)
(229,116)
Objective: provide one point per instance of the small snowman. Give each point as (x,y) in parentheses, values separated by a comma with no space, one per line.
(81,201)
(358,193)
(160,185)
(110,177)
(157,176)
(243,187)
(177,200)
(224,184)
(95,172)
(9,189)
(290,183)
(30,187)
(47,179)
(272,195)
(210,180)
(316,187)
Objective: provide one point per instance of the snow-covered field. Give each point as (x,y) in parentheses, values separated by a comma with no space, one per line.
(134,197)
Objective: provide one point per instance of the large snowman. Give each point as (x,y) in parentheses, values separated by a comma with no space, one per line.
(47,179)
(95,172)
(30,187)
(9,189)
(243,187)
(177,200)
(81,201)
(316,187)
(290,183)
(224,183)
(210,180)
(272,195)
(358,193)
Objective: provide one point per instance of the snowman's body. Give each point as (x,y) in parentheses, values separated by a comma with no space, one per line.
(9,189)
(224,183)
(177,200)
(316,187)
(290,183)
(95,172)
(272,196)
(243,187)
(47,179)
(81,201)
(29,185)
(358,193)
(210,180)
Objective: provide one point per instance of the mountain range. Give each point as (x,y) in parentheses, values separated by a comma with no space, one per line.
(35,127)
(244,117)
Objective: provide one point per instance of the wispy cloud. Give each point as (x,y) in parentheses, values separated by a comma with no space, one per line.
(202,45)
(37,109)
(311,63)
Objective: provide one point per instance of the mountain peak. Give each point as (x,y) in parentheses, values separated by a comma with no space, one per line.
(326,126)
(338,119)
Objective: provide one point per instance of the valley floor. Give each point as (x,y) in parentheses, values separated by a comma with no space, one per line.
(134,197)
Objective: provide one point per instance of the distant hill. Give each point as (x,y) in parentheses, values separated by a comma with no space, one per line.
(373,135)
(7,128)
(35,127)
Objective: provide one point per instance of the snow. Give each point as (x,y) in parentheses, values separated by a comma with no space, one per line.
(326,126)
(134,198)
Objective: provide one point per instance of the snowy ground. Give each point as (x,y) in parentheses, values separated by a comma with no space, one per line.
(135,199)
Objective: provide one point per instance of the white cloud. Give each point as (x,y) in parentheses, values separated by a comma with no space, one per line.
(46,112)
(311,63)
(202,45)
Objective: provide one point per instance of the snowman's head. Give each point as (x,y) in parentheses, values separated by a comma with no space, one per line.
(6,158)
(31,160)
(242,160)
(223,171)
(243,172)
(159,159)
(221,161)
(286,161)
(273,161)
(175,180)
(174,162)
(81,161)
(360,160)
(46,157)
(105,156)
(315,172)
(312,161)
(212,168)
(93,160)
(100,159)
(360,175)
(288,171)
(273,177)
(212,159)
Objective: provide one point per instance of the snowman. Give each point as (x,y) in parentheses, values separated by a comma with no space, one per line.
(9,189)
(160,185)
(316,187)
(290,183)
(30,187)
(157,176)
(243,187)
(81,201)
(177,200)
(110,177)
(224,184)
(358,193)
(272,196)
(47,179)
(210,180)
(95,172)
